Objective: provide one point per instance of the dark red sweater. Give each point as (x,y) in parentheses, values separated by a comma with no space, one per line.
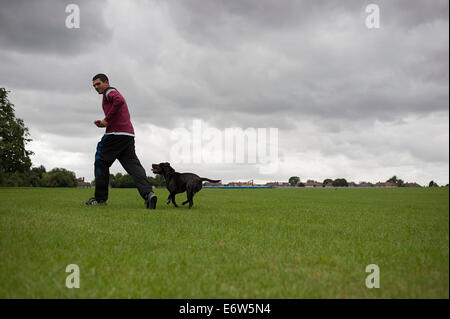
(116,112)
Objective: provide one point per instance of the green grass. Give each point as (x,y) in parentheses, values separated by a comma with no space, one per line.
(272,243)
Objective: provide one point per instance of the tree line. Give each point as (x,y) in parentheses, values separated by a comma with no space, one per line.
(342,182)
(61,177)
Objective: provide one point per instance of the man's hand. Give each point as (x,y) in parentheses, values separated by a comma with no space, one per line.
(101,123)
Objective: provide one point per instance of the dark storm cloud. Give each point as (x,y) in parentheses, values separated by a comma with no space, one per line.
(63,113)
(326,62)
(205,20)
(39,27)
(409,13)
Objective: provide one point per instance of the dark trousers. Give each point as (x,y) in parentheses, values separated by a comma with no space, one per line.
(121,147)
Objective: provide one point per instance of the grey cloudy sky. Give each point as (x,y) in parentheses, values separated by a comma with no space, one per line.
(348,101)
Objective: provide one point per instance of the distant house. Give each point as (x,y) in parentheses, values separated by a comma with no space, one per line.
(313,184)
(212,184)
(329,184)
(82,184)
(364,184)
(386,184)
(235,184)
(411,185)
(271,184)
(391,184)
(277,184)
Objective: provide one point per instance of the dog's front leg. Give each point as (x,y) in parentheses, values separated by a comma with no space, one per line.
(172,198)
(168,199)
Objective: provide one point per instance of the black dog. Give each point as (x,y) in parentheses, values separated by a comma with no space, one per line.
(180,182)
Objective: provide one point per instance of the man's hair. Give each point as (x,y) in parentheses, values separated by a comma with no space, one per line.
(101,76)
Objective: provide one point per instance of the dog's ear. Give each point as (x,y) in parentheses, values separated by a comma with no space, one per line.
(167,163)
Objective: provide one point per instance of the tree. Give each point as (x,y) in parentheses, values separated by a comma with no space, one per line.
(158,180)
(59,177)
(28,178)
(396,180)
(294,180)
(117,178)
(125,181)
(433,184)
(326,181)
(13,138)
(13,180)
(340,182)
(112,180)
(35,176)
(35,179)
(393,179)
(39,171)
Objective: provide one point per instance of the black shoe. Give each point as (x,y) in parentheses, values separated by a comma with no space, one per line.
(151,200)
(93,201)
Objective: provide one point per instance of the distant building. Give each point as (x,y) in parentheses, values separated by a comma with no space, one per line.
(277,184)
(365,184)
(411,185)
(82,184)
(313,184)
(212,184)
(271,184)
(386,184)
(236,184)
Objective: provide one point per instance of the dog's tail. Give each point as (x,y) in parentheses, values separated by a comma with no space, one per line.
(210,180)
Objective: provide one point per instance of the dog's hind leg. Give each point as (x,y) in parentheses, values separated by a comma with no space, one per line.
(187,200)
(191,201)
(190,197)
(168,199)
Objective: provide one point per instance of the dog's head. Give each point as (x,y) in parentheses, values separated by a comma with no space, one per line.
(162,168)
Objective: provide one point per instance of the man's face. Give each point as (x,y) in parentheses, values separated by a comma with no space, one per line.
(99,85)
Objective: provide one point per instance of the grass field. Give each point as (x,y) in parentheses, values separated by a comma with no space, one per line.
(271,243)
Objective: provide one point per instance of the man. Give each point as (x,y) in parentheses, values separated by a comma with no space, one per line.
(117,143)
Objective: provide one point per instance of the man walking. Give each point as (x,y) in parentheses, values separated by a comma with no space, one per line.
(117,143)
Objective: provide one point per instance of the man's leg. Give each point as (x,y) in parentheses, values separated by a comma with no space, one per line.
(101,172)
(108,149)
(133,166)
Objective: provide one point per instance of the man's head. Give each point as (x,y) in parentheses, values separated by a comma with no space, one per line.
(100,82)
